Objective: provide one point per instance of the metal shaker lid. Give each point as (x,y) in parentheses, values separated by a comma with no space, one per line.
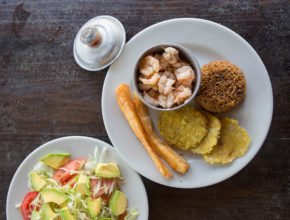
(99,43)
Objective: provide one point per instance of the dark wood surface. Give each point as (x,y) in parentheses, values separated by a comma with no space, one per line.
(45,95)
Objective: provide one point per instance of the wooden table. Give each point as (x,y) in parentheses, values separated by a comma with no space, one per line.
(45,95)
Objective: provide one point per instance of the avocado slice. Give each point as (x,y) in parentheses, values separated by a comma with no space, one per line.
(107,170)
(83,185)
(48,213)
(66,215)
(37,181)
(118,203)
(53,195)
(94,206)
(56,160)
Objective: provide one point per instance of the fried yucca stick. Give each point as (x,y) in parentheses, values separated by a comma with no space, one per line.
(173,159)
(126,104)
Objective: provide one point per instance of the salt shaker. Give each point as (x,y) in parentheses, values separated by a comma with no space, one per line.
(99,43)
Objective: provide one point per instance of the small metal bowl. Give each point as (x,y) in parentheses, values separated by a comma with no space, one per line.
(185,55)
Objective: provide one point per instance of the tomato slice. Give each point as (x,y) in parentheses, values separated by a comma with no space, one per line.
(61,176)
(122,216)
(25,205)
(106,198)
(105,182)
(70,179)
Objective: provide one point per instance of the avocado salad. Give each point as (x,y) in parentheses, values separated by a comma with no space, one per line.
(68,189)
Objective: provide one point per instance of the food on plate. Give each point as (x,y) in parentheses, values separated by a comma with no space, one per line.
(184,128)
(223,86)
(107,170)
(126,105)
(79,189)
(218,140)
(118,203)
(211,139)
(165,80)
(173,159)
(56,160)
(62,176)
(234,142)
(26,205)
(37,182)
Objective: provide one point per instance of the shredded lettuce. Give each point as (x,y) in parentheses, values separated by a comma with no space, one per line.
(43,169)
(97,187)
(112,187)
(91,163)
(36,203)
(132,214)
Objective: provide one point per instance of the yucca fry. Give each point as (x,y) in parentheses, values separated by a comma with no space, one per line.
(126,104)
(173,159)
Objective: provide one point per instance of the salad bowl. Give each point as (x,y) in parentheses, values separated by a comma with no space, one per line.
(78,147)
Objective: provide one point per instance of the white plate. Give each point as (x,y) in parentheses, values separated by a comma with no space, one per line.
(78,147)
(208,41)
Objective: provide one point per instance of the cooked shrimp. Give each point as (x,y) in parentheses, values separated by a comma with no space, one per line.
(180,64)
(143,87)
(155,87)
(171,55)
(163,63)
(162,101)
(165,85)
(170,100)
(149,65)
(153,93)
(166,101)
(150,81)
(181,93)
(150,99)
(179,84)
(184,75)
(168,74)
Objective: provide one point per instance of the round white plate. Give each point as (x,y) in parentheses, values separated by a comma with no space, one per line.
(78,147)
(208,41)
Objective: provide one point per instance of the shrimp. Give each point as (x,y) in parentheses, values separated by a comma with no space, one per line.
(181,93)
(170,100)
(163,63)
(162,100)
(165,85)
(166,101)
(153,93)
(143,87)
(150,99)
(149,65)
(171,55)
(150,81)
(155,87)
(184,75)
(155,99)
(180,64)
(168,74)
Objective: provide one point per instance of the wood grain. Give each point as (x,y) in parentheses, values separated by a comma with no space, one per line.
(45,95)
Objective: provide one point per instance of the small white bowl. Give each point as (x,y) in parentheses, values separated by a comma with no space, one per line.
(184,54)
